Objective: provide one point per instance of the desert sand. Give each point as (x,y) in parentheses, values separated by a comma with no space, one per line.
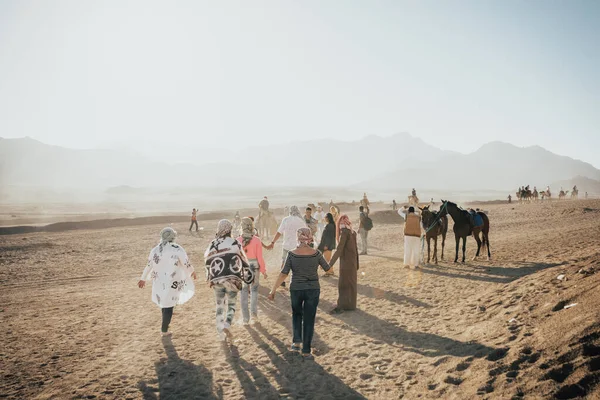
(75,325)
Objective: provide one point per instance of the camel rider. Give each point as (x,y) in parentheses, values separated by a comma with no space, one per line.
(263,206)
(575,188)
(548,190)
(414,192)
(365,201)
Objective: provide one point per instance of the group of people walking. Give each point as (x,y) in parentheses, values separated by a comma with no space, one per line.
(234,265)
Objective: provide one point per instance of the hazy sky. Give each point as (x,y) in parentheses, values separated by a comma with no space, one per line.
(225,74)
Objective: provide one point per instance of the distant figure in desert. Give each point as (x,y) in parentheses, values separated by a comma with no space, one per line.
(288,229)
(335,211)
(171,272)
(194,220)
(253,248)
(412,236)
(363,228)
(509,199)
(310,221)
(303,261)
(365,201)
(394,205)
(347,253)
(320,217)
(263,206)
(413,199)
(586,195)
(227,269)
(574,192)
(237,224)
(328,243)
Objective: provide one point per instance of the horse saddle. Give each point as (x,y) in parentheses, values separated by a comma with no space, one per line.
(476,220)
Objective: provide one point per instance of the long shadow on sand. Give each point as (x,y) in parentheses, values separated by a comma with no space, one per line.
(282,314)
(179,379)
(361,322)
(376,293)
(297,377)
(254,384)
(426,344)
(488,273)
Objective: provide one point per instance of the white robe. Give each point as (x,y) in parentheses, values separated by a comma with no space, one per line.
(170,271)
(412,245)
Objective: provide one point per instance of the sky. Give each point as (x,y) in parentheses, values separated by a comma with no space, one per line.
(457,74)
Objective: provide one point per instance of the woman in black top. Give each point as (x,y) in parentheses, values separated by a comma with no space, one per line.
(304,289)
(327,244)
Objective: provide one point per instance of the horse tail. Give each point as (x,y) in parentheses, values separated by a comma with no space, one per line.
(485,230)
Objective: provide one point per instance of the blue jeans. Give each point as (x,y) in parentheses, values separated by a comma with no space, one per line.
(304,311)
(253,289)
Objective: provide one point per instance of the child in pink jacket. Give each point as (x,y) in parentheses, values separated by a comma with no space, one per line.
(253,248)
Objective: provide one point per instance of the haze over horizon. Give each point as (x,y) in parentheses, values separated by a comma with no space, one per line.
(215,75)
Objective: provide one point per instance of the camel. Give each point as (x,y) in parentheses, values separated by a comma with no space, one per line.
(563,194)
(463,227)
(574,194)
(434,224)
(535,195)
(266,224)
(413,200)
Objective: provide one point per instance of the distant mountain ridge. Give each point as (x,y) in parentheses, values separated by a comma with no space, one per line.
(494,166)
(373,163)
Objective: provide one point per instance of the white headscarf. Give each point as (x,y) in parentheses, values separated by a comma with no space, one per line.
(167,235)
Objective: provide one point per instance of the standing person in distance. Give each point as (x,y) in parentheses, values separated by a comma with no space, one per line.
(327,244)
(170,271)
(364,228)
(320,217)
(412,236)
(347,253)
(310,222)
(194,220)
(288,229)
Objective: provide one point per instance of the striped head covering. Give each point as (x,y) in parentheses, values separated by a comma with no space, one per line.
(344,222)
(223,228)
(305,236)
(167,235)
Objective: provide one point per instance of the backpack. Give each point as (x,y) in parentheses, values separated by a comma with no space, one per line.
(368,223)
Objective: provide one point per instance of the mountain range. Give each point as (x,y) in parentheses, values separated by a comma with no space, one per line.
(373,163)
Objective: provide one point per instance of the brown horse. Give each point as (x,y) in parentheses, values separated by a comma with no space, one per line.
(463,227)
(434,224)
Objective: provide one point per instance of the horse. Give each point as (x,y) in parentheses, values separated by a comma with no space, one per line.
(463,227)
(434,224)
(266,224)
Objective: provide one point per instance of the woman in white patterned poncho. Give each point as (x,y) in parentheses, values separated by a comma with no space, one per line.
(171,272)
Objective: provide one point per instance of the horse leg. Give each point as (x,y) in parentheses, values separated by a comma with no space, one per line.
(457,244)
(476,236)
(464,248)
(435,250)
(443,244)
(428,249)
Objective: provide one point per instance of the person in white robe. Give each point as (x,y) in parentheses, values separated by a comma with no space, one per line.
(412,236)
(172,276)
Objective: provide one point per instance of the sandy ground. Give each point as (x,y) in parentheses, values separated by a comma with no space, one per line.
(74,324)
